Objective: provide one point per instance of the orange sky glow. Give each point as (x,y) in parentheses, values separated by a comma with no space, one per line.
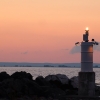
(46,30)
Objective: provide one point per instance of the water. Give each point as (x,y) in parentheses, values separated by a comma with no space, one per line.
(44,71)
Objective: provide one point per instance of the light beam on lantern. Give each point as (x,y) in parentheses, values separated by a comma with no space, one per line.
(87,29)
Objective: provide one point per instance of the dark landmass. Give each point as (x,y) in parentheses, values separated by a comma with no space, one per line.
(24,64)
(22,86)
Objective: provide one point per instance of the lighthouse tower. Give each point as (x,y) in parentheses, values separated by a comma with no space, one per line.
(86,75)
(86,53)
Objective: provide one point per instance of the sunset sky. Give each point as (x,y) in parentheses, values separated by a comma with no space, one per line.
(46,30)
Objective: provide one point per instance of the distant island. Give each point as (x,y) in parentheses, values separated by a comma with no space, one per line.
(25,64)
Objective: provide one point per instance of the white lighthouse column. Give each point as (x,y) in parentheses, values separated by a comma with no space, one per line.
(86,75)
(87,57)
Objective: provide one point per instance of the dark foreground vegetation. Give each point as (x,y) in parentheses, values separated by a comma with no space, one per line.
(22,86)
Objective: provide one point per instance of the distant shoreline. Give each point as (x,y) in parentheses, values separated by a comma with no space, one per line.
(24,64)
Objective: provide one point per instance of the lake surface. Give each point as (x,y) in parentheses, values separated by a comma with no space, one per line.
(44,71)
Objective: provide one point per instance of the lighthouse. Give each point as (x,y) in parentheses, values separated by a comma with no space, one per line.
(87,75)
(86,53)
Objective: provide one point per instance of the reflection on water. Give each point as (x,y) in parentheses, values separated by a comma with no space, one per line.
(44,71)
